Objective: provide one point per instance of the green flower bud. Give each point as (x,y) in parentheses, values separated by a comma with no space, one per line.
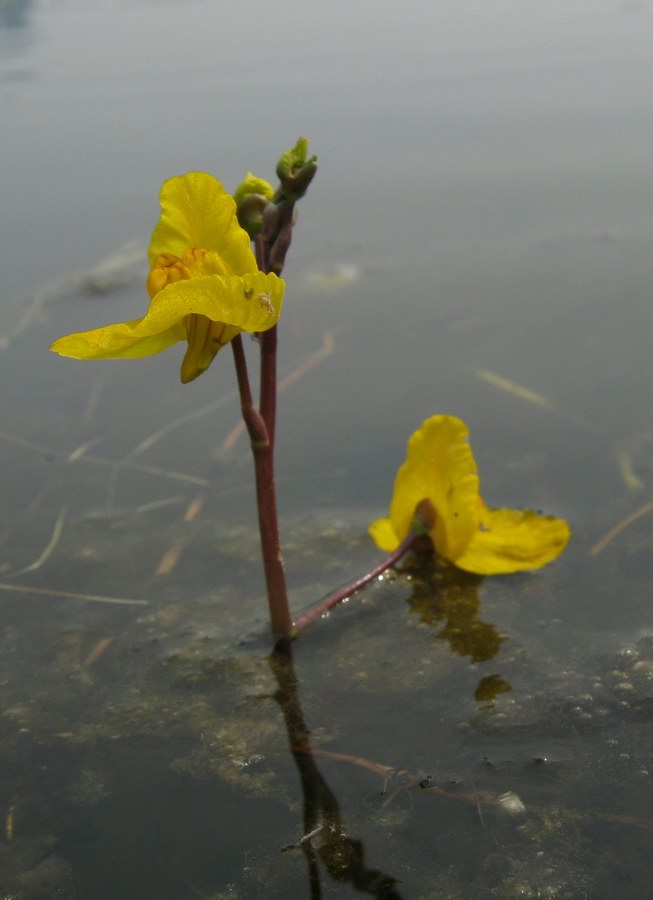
(253,185)
(252,196)
(295,170)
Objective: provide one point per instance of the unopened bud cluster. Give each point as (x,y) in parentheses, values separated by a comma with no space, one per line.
(269,215)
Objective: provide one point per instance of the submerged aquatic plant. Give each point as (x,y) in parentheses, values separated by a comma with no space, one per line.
(206,286)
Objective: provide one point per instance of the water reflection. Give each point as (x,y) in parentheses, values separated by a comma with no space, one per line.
(15,44)
(490,687)
(15,13)
(342,856)
(446,595)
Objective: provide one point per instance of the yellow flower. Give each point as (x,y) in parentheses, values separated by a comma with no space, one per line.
(204,284)
(441,470)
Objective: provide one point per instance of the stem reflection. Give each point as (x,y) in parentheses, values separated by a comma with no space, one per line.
(343,857)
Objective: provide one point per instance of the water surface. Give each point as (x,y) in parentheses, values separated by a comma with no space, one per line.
(479,227)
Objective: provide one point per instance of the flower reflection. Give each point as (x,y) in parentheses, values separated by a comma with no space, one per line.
(449,597)
(490,687)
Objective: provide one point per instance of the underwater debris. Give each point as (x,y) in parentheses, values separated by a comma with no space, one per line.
(340,276)
(626,466)
(616,530)
(49,549)
(517,390)
(70,595)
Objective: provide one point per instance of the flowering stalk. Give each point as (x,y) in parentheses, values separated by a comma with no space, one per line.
(269,222)
(268,218)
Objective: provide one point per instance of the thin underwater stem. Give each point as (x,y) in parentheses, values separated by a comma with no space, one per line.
(263,451)
(343,593)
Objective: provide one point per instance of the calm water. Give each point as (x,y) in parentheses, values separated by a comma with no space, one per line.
(480,228)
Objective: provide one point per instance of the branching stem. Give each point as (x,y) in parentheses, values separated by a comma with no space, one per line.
(343,593)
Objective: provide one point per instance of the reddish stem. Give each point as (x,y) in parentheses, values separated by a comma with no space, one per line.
(321,608)
(268,342)
(256,427)
(263,451)
(261,253)
(268,387)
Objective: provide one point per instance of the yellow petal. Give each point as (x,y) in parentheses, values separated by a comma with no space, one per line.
(197,212)
(440,467)
(513,540)
(120,341)
(384,535)
(251,303)
(205,339)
